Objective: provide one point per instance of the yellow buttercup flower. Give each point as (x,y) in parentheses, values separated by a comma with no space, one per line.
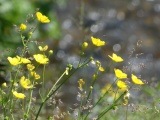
(18,95)
(25,83)
(116,58)
(43,48)
(30,67)
(119,74)
(135,80)
(41,59)
(22,27)
(15,60)
(25,60)
(42,18)
(18,60)
(36,76)
(121,84)
(97,42)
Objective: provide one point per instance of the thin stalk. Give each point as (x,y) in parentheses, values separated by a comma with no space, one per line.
(43,79)
(126,112)
(56,83)
(30,100)
(116,94)
(92,84)
(101,98)
(81,12)
(111,106)
(3,106)
(12,116)
(10,91)
(79,112)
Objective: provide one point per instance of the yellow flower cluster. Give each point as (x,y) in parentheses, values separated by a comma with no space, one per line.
(120,75)
(24,82)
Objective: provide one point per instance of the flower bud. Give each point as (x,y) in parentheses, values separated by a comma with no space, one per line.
(85,45)
(51,52)
(22,27)
(4,84)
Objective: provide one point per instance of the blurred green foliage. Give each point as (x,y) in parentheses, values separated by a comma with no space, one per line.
(14,12)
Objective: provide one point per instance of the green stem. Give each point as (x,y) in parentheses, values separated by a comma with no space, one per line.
(10,91)
(116,94)
(29,104)
(3,106)
(81,12)
(56,83)
(101,98)
(94,80)
(126,111)
(111,106)
(43,80)
(79,113)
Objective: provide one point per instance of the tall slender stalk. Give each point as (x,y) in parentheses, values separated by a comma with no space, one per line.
(111,106)
(101,98)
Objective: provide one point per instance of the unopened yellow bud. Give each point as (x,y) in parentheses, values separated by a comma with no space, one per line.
(22,27)
(4,84)
(94,77)
(51,52)
(85,45)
